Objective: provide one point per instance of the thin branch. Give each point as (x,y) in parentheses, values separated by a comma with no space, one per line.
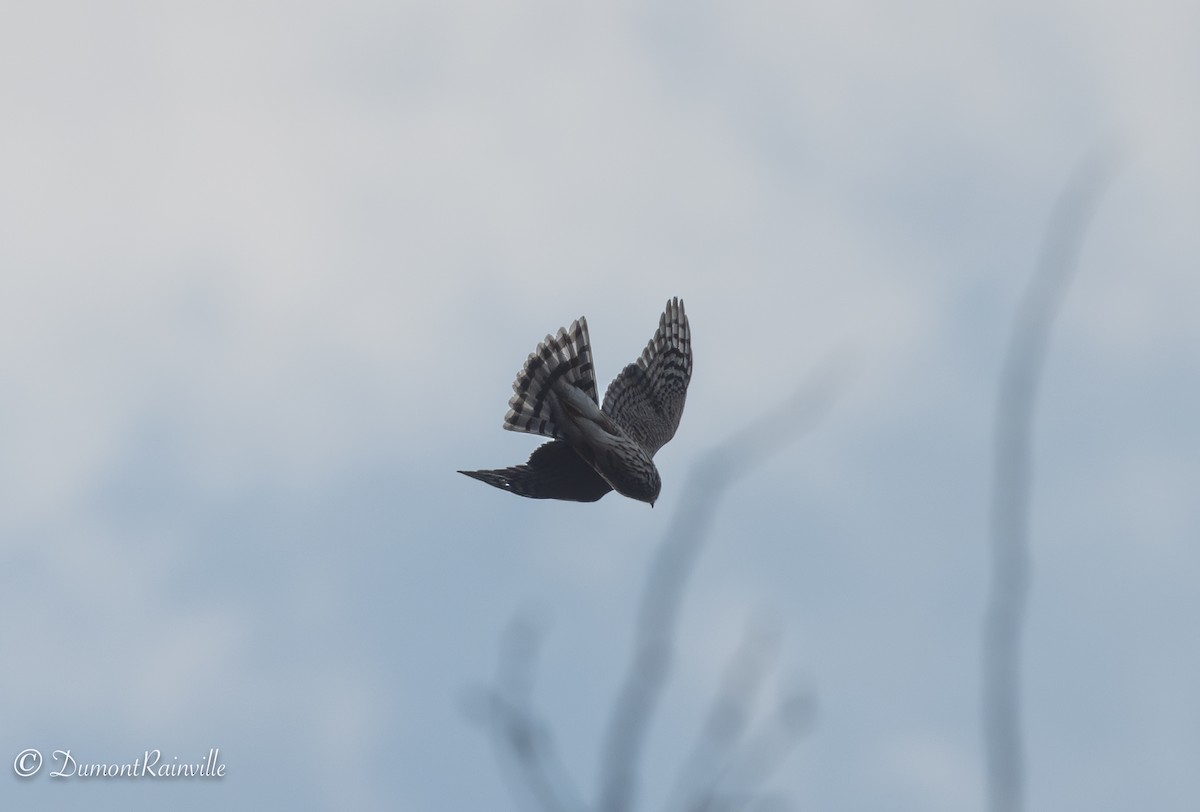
(728,718)
(532,759)
(766,751)
(1016,402)
(672,566)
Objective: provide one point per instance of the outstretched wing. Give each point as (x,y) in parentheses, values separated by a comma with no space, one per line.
(554,471)
(647,398)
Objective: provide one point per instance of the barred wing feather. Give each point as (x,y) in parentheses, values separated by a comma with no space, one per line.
(646,399)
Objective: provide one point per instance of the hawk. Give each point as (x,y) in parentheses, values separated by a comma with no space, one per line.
(596,449)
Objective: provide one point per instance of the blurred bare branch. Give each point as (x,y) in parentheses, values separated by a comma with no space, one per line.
(672,566)
(729,762)
(525,745)
(745,762)
(765,752)
(1016,402)
(725,728)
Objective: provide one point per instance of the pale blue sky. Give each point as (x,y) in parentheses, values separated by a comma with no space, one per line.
(267,271)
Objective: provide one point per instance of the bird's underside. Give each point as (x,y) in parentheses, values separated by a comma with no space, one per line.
(594,448)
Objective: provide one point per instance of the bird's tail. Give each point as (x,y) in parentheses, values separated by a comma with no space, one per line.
(565,357)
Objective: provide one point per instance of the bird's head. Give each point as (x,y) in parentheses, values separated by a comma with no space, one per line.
(645,488)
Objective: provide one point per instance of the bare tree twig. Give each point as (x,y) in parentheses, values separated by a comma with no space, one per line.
(524,745)
(1016,402)
(765,752)
(669,572)
(521,737)
(701,775)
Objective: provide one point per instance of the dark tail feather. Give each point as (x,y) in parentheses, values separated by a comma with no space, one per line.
(566,357)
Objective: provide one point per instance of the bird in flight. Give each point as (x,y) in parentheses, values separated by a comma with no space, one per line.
(596,449)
